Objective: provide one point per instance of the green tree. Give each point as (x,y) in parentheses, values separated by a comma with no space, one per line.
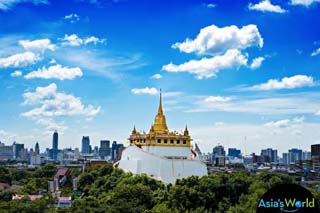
(5,176)
(131,198)
(47,171)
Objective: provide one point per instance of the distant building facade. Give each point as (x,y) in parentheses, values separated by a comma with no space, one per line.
(37,149)
(55,141)
(271,153)
(116,150)
(18,151)
(104,149)
(315,157)
(233,152)
(218,156)
(85,145)
(6,152)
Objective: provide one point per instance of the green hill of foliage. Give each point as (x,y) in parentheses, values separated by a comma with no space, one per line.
(105,189)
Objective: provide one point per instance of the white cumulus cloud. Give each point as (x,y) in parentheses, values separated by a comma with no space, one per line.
(316,52)
(305,3)
(209,67)
(55,71)
(73,17)
(213,99)
(51,125)
(213,40)
(285,123)
(146,90)
(37,45)
(266,6)
(40,94)
(256,63)
(16,73)
(74,40)
(19,60)
(9,4)
(156,76)
(211,5)
(52,103)
(296,81)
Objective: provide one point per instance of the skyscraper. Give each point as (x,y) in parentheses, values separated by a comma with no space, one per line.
(271,153)
(295,155)
(315,156)
(37,149)
(85,145)
(233,152)
(218,156)
(116,150)
(219,151)
(55,145)
(104,148)
(18,150)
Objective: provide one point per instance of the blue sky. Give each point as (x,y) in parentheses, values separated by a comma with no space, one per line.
(240,73)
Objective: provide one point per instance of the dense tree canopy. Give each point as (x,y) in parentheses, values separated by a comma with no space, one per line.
(105,189)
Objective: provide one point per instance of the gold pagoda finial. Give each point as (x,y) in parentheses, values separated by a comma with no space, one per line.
(186,131)
(160,111)
(134,131)
(160,125)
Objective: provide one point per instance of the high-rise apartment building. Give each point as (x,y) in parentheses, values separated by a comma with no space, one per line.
(85,149)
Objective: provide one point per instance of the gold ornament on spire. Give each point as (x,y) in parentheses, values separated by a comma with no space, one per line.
(160,124)
(186,131)
(134,131)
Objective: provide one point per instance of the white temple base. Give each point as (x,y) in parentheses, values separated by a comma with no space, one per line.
(138,161)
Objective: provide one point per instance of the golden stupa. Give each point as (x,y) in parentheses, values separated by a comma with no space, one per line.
(159,134)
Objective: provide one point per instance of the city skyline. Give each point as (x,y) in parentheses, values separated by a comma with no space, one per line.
(95,68)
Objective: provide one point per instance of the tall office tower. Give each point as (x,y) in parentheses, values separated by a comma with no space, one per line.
(85,145)
(6,152)
(116,150)
(37,149)
(285,158)
(271,153)
(233,152)
(18,150)
(306,155)
(295,155)
(104,148)
(315,157)
(55,145)
(218,156)
(219,151)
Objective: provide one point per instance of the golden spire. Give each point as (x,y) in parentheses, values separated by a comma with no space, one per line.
(160,112)
(134,131)
(160,124)
(186,131)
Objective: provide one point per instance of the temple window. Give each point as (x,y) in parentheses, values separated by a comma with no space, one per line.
(171,141)
(184,142)
(165,141)
(159,140)
(178,141)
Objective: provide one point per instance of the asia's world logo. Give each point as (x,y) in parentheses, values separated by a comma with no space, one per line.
(287,198)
